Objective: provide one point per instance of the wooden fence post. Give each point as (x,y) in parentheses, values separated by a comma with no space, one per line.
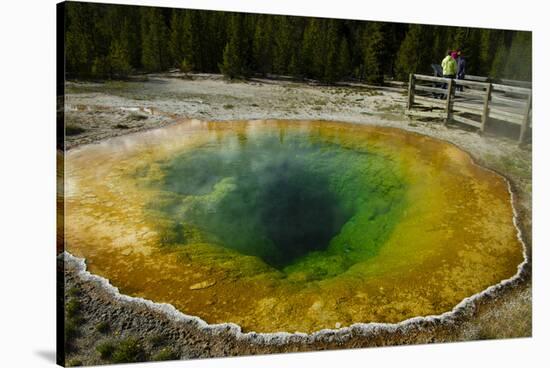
(449,102)
(525,123)
(485,115)
(410,101)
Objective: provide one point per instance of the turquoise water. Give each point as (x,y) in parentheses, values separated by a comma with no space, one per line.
(296,201)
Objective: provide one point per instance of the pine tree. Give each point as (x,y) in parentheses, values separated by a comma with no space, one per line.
(101,67)
(471,51)
(441,43)
(283,45)
(374,54)
(118,60)
(355,32)
(487,49)
(414,54)
(133,36)
(262,45)
(176,36)
(295,67)
(393,36)
(332,41)
(518,64)
(247,42)
(214,38)
(196,39)
(184,38)
(312,48)
(154,40)
(79,42)
(499,60)
(460,35)
(344,62)
(233,64)
(186,67)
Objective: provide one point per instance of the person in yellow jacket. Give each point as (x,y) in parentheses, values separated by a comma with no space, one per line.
(449,65)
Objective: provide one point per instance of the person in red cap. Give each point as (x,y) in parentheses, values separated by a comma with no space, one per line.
(449,66)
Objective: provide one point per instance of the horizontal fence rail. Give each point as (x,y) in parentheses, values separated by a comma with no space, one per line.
(508,82)
(472,102)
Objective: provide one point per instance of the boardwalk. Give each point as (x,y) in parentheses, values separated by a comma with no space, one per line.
(470,102)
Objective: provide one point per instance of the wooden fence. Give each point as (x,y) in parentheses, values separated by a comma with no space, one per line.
(471,102)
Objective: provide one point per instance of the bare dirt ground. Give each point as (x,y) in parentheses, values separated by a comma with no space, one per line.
(97,111)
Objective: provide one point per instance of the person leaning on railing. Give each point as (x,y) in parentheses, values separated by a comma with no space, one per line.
(461,71)
(449,66)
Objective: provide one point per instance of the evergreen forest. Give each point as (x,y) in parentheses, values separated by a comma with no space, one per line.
(115,41)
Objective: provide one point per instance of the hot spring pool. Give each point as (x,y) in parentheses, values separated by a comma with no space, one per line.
(290,226)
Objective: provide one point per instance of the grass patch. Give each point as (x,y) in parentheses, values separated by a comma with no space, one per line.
(102,327)
(71,330)
(486,334)
(158,340)
(515,166)
(74,363)
(228,106)
(72,308)
(129,351)
(317,108)
(71,130)
(74,291)
(71,333)
(73,320)
(165,354)
(106,349)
